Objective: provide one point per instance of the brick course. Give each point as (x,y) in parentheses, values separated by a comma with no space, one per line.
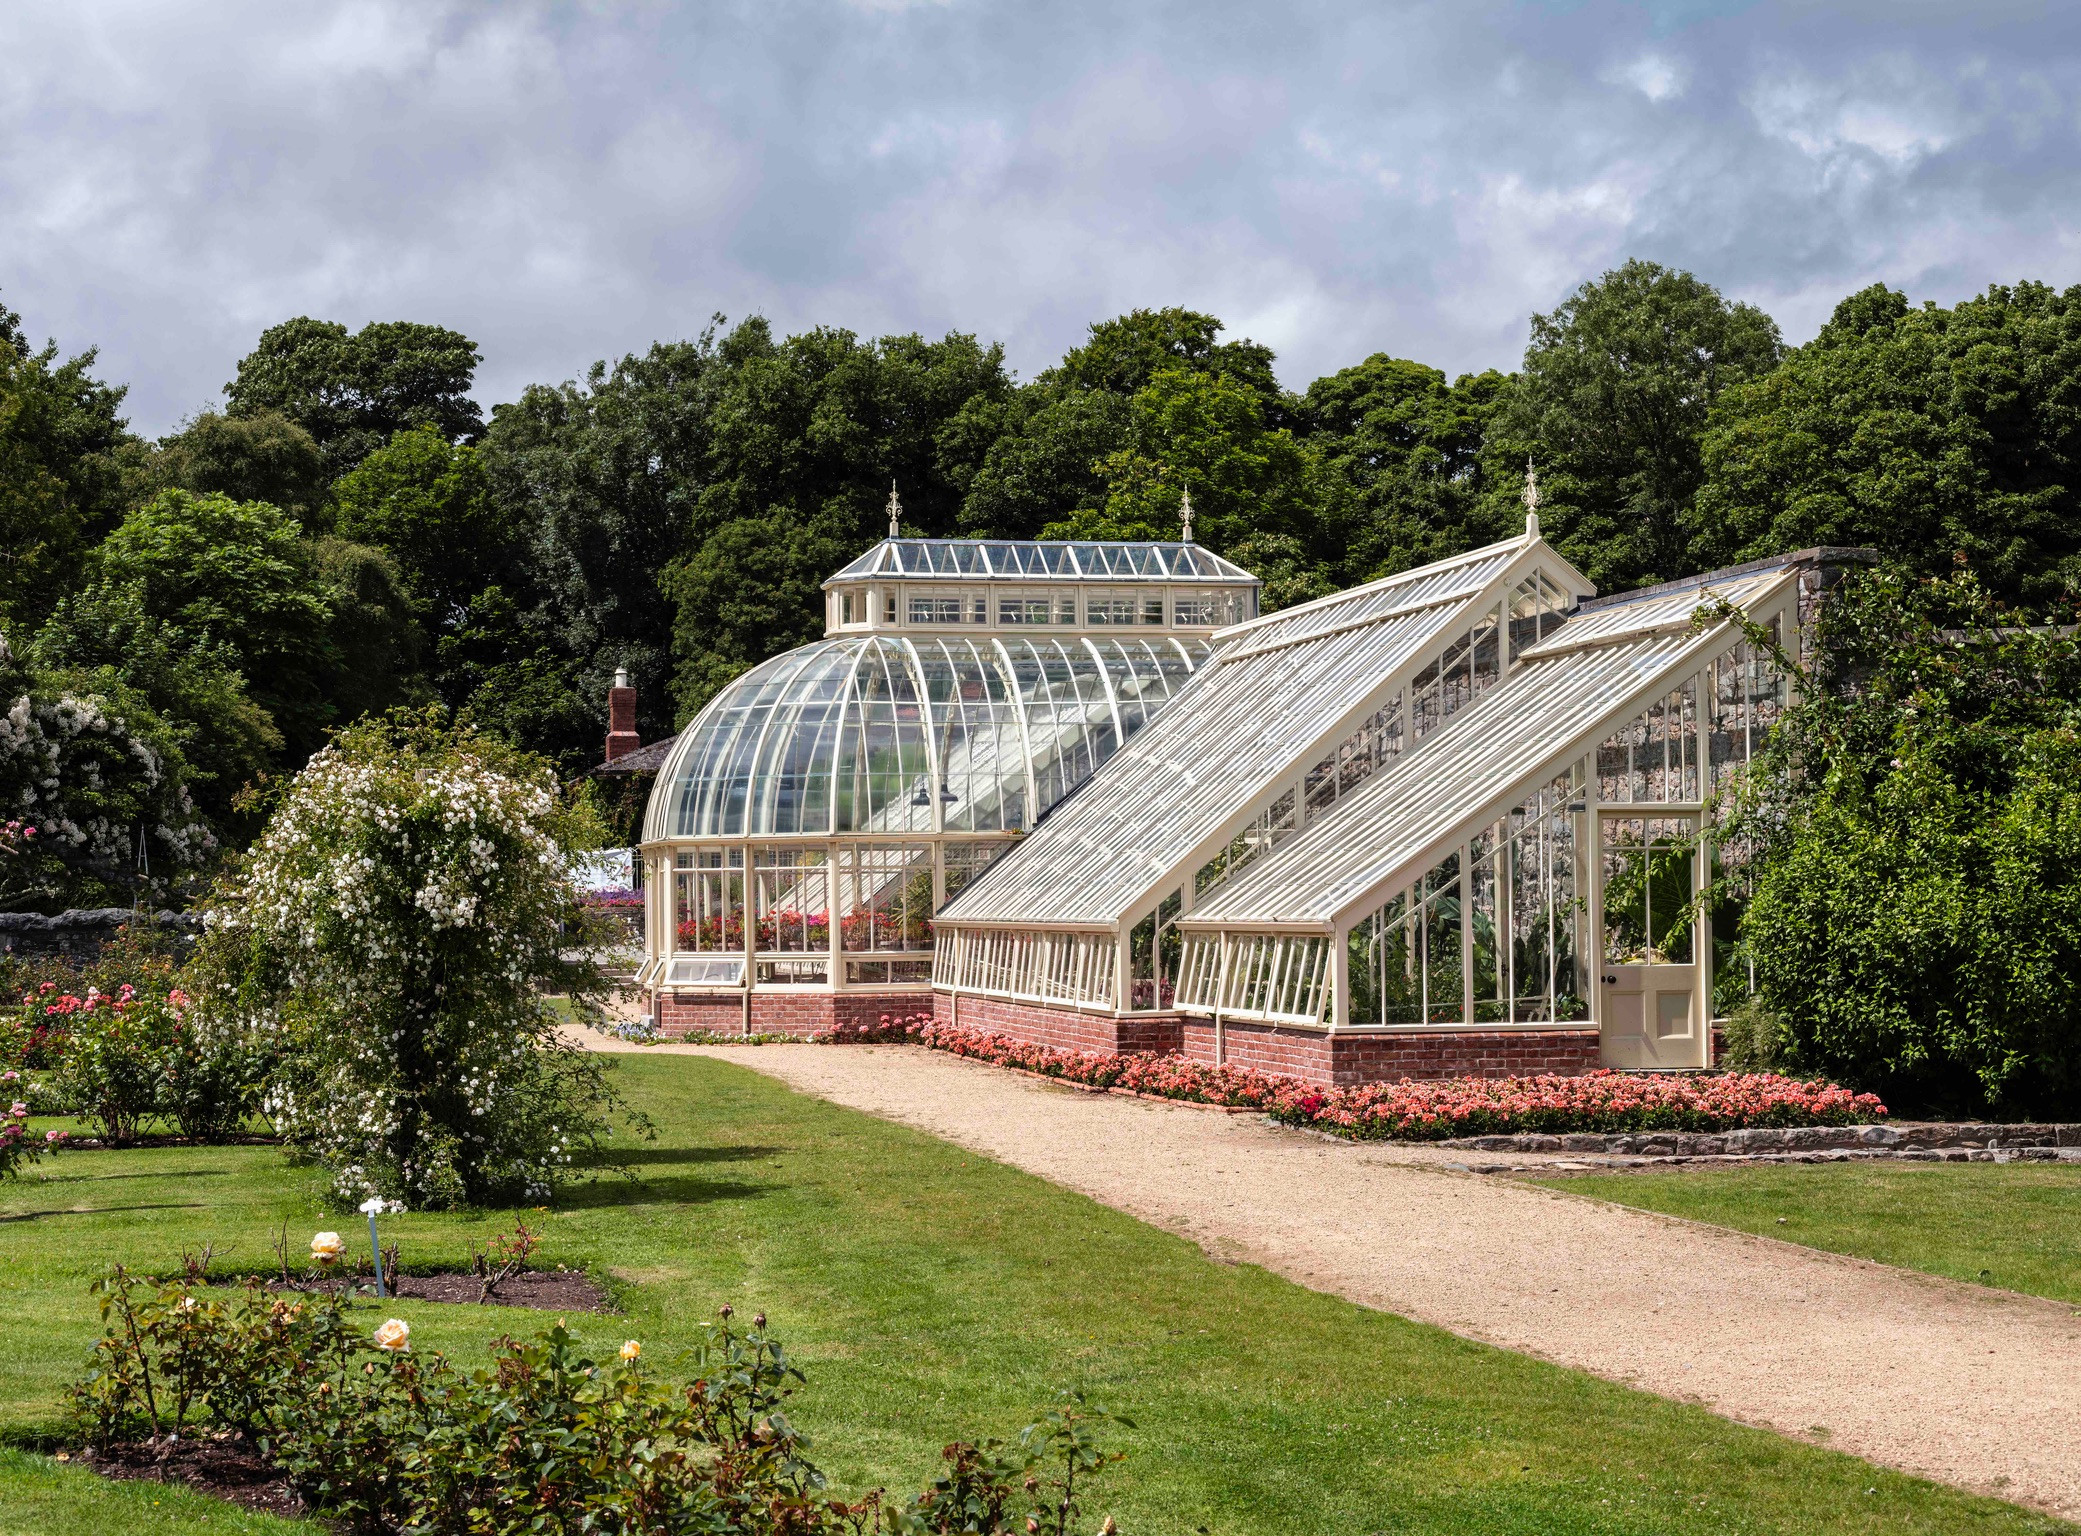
(798,1014)
(1343,1059)
(1308,1054)
(1065,1028)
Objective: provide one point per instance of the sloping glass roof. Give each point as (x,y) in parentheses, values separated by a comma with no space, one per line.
(875,733)
(1256,715)
(1041,560)
(1571,691)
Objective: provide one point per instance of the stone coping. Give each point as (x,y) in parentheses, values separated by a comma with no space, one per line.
(1910,1136)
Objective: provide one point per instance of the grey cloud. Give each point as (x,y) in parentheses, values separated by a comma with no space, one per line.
(570,181)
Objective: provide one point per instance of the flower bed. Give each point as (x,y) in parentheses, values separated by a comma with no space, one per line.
(1409,1110)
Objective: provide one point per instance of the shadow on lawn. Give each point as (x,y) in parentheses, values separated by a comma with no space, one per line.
(645,1156)
(610,1190)
(110,1178)
(106,1210)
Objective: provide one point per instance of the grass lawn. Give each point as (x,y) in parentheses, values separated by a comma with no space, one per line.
(931,1295)
(2013,1225)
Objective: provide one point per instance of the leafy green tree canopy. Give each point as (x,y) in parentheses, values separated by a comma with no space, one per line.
(1916,917)
(63,448)
(319,628)
(1410,446)
(261,457)
(352,391)
(427,502)
(1618,383)
(808,435)
(103,636)
(1940,437)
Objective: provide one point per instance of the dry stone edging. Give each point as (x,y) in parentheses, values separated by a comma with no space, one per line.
(1932,1138)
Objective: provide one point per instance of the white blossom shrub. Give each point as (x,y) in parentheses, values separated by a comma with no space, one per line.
(394,936)
(91,793)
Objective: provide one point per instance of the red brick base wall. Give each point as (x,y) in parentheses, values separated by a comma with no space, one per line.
(1064,1028)
(1340,1060)
(800,1014)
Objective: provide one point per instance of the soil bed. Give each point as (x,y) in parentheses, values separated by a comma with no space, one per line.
(547,1290)
(230,1468)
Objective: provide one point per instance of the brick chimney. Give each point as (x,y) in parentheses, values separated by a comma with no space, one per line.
(621,716)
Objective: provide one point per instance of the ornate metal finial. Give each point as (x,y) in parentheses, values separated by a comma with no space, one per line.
(895,513)
(1185,513)
(1531,499)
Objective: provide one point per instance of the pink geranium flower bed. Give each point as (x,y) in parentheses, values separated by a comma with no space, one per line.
(1416,1111)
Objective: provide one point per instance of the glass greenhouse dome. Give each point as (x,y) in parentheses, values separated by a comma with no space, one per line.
(809,823)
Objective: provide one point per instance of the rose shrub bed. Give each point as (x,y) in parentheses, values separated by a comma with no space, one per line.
(1595,1101)
(548,1440)
(1410,1110)
(120,1058)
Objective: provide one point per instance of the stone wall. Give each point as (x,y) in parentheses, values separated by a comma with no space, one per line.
(79,935)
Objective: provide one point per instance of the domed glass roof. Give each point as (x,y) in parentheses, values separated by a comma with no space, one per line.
(893,734)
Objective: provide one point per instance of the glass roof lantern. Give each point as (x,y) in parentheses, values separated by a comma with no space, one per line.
(1041,559)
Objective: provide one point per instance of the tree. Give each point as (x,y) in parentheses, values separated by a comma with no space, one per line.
(395,936)
(1409,445)
(427,502)
(1939,437)
(104,636)
(352,392)
(1257,492)
(1916,837)
(807,436)
(64,448)
(1043,466)
(260,457)
(318,628)
(1617,387)
(601,482)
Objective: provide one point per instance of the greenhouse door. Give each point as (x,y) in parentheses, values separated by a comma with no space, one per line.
(1647,996)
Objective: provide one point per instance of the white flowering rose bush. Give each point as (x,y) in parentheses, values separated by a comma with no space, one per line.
(394,937)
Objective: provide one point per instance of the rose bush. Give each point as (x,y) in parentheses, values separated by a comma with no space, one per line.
(1409,1110)
(391,944)
(547,1441)
(19,1144)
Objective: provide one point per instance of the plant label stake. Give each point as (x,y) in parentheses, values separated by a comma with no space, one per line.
(369,1208)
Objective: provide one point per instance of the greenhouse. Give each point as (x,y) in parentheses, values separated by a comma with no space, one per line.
(1454,821)
(809,823)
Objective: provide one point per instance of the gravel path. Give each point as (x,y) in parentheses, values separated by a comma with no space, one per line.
(1977,1388)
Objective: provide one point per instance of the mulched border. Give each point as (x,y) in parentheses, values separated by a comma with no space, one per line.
(541,1290)
(222,1465)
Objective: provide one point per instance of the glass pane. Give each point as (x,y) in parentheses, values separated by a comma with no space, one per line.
(794,903)
(1647,890)
(885,897)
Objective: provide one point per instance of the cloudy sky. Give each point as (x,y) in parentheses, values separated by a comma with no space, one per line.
(564,182)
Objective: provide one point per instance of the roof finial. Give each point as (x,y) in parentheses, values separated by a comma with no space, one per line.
(1185,513)
(895,512)
(1531,499)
